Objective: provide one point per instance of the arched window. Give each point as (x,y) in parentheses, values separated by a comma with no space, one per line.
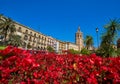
(30,39)
(35,35)
(30,33)
(26,32)
(25,37)
(19,29)
(45,39)
(80,36)
(39,36)
(38,40)
(34,40)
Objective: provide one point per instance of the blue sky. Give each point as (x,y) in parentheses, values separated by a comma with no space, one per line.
(61,18)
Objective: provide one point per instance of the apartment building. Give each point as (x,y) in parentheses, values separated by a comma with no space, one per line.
(52,42)
(31,38)
(36,40)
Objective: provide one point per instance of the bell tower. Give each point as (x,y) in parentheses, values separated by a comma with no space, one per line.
(79,39)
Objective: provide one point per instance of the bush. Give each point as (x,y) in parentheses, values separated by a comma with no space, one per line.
(111,52)
(85,51)
(2,47)
(118,52)
(72,51)
(50,49)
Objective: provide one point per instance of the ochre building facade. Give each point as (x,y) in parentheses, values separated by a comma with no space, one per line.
(36,40)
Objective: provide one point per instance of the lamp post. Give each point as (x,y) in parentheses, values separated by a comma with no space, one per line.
(97,37)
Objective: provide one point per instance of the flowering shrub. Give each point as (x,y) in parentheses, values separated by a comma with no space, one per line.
(26,67)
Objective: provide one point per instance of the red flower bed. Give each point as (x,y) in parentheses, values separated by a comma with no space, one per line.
(26,67)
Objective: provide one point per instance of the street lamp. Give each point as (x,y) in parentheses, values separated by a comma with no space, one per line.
(97,37)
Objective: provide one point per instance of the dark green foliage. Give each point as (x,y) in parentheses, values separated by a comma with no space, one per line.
(118,52)
(85,51)
(88,41)
(7,27)
(29,46)
(107,44)
(50,49)
(105,52)
(72,51)
(15,40)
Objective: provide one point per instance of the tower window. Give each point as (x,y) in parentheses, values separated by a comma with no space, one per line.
(80,36)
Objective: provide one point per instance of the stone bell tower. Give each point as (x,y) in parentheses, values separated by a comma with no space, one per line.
(79,39)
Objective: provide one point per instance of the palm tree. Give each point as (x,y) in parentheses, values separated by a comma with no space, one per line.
(7,27)
(15,40)
(88,41)
(1,21)
(1,16)
(109,37)
(112,27)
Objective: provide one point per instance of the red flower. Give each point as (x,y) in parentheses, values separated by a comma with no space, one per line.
(24,67)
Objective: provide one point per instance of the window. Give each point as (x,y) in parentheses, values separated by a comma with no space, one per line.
(35,35)
(39,36)
(26,31)
(33,44)
(30,33)
(30,38)
(19,29)
(45,39)
(25,37)
(34,40)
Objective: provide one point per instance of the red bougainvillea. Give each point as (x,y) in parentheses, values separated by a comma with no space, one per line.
(34,67)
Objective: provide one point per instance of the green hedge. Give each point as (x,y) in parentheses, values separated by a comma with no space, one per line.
(2,47)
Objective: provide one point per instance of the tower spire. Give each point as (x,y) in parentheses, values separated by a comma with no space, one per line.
(78,28)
